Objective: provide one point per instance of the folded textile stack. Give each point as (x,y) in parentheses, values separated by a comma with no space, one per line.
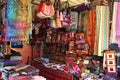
(6,71)
(20,70)
(27,78)
(20,78)
(12,63)
(31,71)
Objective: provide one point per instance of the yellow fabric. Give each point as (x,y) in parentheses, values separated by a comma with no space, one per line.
(102,29)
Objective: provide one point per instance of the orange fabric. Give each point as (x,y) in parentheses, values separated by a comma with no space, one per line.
(91,29)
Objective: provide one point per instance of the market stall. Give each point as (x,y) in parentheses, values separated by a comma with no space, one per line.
(67,39)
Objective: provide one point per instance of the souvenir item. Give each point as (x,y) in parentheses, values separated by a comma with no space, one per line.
(110,61)
(66,16)
(73,22)
(45,9)
(71,45)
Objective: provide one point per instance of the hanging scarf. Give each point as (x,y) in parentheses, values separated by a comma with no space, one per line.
(91,29)
(113,27)
(118,24)
(102,29)
(18,20)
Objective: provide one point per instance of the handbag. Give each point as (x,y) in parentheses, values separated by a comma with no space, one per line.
(45,9)
(66,16)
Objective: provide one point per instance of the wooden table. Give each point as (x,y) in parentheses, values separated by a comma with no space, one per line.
(51,74)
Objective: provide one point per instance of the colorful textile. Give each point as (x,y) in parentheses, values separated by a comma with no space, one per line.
(18,20)
(91,29)
(73,22)
(102,29)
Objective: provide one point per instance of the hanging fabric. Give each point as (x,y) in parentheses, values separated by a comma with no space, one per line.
(118,24)
(18,20)
(113,27)
(91,29)
(73,22)
(102,29)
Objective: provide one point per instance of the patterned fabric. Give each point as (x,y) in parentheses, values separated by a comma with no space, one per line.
(18,20)
(102,29)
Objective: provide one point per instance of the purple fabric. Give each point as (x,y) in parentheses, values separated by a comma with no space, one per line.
(118,24)
(114,76)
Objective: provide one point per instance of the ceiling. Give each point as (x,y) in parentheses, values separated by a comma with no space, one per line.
(35,3)
(71,2)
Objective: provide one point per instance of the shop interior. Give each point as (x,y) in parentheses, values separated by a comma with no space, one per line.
(59,40)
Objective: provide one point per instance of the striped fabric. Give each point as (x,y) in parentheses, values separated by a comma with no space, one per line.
(102,29)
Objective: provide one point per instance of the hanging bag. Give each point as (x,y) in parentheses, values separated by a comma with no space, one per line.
(59,18)
(45,9)
(66,15)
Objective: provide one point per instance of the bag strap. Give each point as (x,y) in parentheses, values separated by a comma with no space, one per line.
(57,4)
(67,6)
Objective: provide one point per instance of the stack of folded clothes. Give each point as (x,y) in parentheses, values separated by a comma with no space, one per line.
(19,70)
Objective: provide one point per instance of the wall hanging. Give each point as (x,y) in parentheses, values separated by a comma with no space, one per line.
(18,20)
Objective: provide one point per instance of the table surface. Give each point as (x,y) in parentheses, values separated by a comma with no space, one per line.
(51,74)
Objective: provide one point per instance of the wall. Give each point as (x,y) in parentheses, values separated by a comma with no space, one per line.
(25,52)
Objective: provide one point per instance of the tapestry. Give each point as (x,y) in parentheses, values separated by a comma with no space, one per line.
(18,20)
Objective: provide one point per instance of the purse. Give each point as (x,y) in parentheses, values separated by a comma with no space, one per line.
(66,16)
(45,9)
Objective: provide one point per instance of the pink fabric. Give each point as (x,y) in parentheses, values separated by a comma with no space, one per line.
(118,24)
(38,78)
(20,78)
(76,68)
